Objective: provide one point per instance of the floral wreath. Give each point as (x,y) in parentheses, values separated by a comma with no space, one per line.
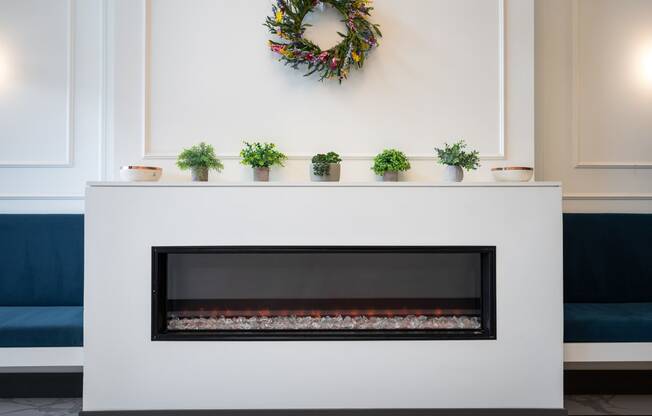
(336,62)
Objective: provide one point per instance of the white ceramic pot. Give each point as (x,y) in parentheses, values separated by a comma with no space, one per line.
(140,173)
(513,174)
(453,174)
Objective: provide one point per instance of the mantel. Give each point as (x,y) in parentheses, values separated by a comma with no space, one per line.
(323,185)
(128,225)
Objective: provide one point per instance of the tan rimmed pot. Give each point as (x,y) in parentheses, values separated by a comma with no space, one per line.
(140,173)
(513,173)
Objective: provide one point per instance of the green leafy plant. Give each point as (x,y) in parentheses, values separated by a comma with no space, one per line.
(321,163)
(296,51)
(455,155)
(261,155)
(199,156)
(390,160)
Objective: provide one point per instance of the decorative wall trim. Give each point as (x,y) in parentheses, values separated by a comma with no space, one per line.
(41,197)
(104,131)
(608,197)
(147,136)
(576,110)
(68,161)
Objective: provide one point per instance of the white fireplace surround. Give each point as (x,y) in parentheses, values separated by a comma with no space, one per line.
(125,370)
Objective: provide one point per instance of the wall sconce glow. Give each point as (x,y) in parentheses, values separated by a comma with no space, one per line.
(4,68)
(645,66)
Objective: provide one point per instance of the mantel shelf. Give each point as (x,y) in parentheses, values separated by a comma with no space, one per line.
(323,185)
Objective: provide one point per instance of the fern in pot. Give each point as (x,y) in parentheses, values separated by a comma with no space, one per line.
(456,159)
(389,163)
(325,167)
(261,157)
(200,159)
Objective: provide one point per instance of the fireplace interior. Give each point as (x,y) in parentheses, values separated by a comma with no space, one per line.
(277,293)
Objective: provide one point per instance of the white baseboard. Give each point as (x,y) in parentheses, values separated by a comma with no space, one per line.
(71,358)
(608,352)
(45,358)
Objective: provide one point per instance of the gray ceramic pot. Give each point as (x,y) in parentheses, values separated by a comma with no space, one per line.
(261,174)
(199,174)
(390,177)
(453,174)
(333,174)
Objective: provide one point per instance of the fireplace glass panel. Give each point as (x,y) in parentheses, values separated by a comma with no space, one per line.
(321,290)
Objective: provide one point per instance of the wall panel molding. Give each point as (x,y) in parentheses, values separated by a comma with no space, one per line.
(146,145)
(579,163)
(68,160)
(62,190)
(608,197)
(41,197)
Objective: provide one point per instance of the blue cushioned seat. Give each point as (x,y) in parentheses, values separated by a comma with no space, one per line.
(41,326)
(41,280)
(608,322)
(608,277)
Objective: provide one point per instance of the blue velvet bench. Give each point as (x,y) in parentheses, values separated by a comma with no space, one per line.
(608,279)
(41,281)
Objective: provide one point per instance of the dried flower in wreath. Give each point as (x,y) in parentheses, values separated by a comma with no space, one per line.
(298,52)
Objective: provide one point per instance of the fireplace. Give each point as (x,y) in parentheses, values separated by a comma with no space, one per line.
(223,305)
(317,293)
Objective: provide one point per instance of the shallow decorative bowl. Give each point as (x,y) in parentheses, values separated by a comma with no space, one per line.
(140,173)
(513,174)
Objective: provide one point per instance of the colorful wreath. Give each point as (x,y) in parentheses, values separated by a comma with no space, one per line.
(336,62)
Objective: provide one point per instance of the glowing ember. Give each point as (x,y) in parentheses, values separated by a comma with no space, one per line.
(263,323)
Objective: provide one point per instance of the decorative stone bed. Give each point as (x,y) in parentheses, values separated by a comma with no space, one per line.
(339,322)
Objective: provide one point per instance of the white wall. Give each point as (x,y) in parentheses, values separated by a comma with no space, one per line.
(436,77)
(594,90)
(91,118)
(49,148)
(51,64)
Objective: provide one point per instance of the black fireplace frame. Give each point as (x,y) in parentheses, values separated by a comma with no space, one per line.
(488,298)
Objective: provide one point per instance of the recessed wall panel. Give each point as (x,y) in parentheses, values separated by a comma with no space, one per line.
(35,56)
(435,77)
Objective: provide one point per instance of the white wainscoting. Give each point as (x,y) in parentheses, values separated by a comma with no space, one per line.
(36,50)
(175,88)
(52,135)
(594,88)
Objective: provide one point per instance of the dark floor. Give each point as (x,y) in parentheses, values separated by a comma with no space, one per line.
(609,405)
(39,407)
(576,405)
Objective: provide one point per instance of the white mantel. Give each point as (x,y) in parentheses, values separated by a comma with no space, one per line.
(125,370)
(324,185)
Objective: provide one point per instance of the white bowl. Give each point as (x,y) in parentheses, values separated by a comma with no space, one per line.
(513,174)
(140,173)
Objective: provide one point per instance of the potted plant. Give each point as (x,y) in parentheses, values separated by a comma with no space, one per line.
(199,159)
(456,160)
(261,156)
(325,167)
(389,163)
